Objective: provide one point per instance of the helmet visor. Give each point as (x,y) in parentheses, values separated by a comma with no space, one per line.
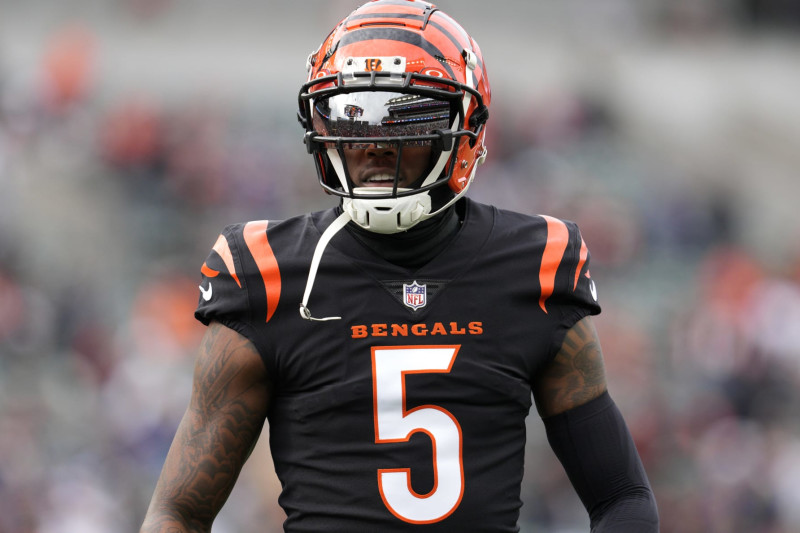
(384,115)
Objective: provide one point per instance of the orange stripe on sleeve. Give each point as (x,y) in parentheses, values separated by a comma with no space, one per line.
(557,240)
(584,256)
(255,235)
(208,271)
(224,251)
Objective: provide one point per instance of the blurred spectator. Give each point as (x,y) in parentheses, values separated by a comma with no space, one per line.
(132,137)
(67,67)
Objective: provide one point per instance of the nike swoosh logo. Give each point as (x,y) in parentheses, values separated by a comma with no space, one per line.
(206,292)
(592,289)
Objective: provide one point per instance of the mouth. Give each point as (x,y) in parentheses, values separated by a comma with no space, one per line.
(381,179)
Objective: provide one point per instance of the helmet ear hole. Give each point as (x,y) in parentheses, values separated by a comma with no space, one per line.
(479,118)
(476,123)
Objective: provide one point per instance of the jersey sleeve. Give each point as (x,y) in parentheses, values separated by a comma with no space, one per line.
(567,292)
(223,290)
(566,285)
(241,284)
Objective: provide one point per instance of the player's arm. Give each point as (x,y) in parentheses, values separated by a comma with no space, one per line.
(590,438)
(228,406)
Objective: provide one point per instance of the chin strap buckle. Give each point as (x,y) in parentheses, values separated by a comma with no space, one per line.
(305,312)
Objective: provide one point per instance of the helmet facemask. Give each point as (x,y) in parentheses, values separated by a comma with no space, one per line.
(396,112)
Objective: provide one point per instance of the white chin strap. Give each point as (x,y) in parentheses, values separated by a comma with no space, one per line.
(340,222)
(386,215)
(393,215)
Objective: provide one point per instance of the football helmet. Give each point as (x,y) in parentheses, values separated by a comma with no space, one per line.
(396,74)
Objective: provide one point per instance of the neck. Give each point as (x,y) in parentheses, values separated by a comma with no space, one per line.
(415,247)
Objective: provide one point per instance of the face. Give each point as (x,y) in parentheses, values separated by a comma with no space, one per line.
(375,167)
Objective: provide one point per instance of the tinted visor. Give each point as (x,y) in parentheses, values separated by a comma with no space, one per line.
(364,115)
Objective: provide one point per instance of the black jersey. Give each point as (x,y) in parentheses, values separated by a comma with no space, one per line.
(408,413)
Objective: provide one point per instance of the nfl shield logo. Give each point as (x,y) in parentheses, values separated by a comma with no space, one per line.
(415,295)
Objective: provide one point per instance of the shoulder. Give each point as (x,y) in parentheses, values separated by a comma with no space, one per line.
(552,249)
(243,274)
(243,235)
(536,227)
(242,247)
(555,240)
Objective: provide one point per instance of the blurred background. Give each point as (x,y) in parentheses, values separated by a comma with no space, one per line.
(132,131)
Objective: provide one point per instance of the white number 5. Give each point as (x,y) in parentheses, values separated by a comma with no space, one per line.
(394,424)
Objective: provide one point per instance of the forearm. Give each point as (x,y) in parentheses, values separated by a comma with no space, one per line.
(595,447)
(224,419)
(181,501)
(168,516)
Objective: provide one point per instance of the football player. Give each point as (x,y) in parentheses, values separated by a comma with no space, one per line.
(400,402)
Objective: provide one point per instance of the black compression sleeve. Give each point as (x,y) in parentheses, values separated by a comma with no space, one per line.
(595,447)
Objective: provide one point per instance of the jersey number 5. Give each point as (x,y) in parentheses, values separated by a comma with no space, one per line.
(393,423)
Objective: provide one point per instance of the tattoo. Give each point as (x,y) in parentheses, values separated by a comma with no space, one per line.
(219,430)
(575,376)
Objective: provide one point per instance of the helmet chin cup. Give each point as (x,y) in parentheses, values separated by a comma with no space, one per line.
(387,215)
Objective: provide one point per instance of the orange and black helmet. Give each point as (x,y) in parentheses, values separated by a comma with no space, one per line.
(399,73)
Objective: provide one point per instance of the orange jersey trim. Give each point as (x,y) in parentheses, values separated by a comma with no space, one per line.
(208,271)
(584,256)
(557,240)
(223,249)
(255,236)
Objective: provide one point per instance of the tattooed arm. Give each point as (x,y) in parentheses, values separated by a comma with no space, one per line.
(590,437)
(228,406)
(575,376)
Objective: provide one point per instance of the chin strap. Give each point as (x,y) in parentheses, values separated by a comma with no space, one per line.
(340,222)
